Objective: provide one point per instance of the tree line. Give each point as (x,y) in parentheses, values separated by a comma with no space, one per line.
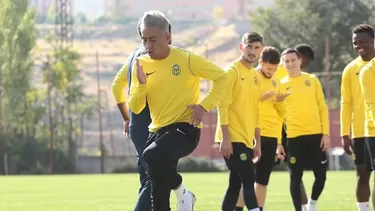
(319,23)
(34,84)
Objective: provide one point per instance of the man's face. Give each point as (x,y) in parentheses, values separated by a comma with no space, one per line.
(363,43)
(251,51)
(305,61)
(268,69)
(155,40)
(291,61)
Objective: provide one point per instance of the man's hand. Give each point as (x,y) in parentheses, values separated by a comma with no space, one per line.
(281,96)
(142,77)
(280,152)
(324,143)
(126,128)
(257,153)
(346,143)
(267,95)
(198,113)
(226,148)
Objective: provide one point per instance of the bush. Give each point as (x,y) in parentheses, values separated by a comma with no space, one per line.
(184,165)
(196,165)
(31,156)
(125,168)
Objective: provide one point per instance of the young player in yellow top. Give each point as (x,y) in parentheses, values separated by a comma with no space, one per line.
(238,124)
(307,126)
(271,111)
(169,78)
(352,113)
(307,56)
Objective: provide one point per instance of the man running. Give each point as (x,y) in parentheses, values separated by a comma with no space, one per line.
(136,126)
(169,78)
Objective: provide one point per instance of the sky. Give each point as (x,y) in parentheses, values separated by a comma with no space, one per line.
(92,8)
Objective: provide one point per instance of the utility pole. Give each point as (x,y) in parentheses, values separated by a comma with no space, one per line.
(64,23)
(2,141)
(50,117)
(328,69)
(101,145)
(64,40)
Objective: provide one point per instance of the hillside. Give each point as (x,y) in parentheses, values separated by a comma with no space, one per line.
(115,43)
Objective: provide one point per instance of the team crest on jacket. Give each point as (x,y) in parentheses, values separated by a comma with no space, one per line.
(307,83)
(273,83)
(176,70)
(255,80)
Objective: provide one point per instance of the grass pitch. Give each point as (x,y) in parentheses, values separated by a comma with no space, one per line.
(119,192)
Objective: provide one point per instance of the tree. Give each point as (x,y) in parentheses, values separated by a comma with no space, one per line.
(69,101)
(24,105)
(17,39)
(51,15)
(287,24)
(81,18)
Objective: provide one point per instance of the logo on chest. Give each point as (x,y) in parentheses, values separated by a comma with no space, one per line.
(176,70)
(307,83)
(273,83)
(255,80)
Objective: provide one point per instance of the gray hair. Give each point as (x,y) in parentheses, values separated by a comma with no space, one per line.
(154,18)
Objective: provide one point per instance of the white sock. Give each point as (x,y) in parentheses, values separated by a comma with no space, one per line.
(180,191)
(363,206)
(312,201)
(256,209)
(311,205)
(304,207)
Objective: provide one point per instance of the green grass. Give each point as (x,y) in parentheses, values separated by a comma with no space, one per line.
(119,192)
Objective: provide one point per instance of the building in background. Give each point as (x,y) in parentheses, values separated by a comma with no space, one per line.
(42,6)
(184,10)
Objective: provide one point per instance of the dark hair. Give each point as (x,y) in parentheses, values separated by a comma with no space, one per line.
(291,50)
(306,50)
(250,37)
(270,55)
(364,28)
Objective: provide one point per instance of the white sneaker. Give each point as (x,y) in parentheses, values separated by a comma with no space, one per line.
(311,208)
(187,202)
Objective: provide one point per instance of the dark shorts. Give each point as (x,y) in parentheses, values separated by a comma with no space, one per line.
(241,161)
(360,155)
(305,152)
(267,160)
(370,149)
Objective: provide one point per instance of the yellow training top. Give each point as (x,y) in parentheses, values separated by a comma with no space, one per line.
(306,110)
(174,83)
(271,111)
(352,112)
(239,107)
